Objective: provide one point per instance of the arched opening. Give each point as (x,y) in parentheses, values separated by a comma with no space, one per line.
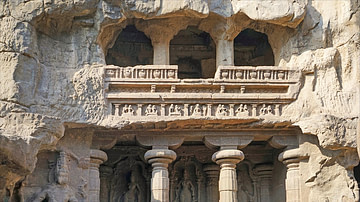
(193,51)
(252,48)
(131,48)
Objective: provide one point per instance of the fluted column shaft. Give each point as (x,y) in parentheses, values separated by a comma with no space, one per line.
(227,159)
(160,159)
(97,157)
(291,158)
(212,187)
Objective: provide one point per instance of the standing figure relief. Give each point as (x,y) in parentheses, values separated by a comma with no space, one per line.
(185,190)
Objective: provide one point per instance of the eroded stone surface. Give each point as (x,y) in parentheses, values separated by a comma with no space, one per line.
(52,60)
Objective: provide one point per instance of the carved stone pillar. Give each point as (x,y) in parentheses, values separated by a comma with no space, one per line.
(161,52)
(201,188)
(212,186)
(291,158)
(160,158)
(264,172)
(224,53)
(105,175)
(97,157)
(227,158)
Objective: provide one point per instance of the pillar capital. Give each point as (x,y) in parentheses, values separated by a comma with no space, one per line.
(291,156)
(160,157)
(228,157)
(97,156)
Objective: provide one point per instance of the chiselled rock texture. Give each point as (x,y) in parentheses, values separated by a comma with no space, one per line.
(87,87)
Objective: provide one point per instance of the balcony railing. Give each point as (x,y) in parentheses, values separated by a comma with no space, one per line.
(235,91)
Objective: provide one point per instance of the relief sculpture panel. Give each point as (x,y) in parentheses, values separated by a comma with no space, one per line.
(130,182)
(186,180)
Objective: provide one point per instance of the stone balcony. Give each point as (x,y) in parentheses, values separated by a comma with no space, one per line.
(155,91)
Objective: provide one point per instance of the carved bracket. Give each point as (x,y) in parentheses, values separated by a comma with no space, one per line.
(160,142)
(233,142)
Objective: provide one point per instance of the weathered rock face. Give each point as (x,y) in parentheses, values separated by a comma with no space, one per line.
(53,56)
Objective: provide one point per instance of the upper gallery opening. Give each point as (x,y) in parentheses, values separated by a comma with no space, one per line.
(194,52)
(132,47)
(252,48)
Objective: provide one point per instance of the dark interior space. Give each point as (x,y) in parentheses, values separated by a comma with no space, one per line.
(131,48)
(251,48)
(193,51)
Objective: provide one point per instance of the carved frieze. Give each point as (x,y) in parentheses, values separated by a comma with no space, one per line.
(196,110)
(236,92)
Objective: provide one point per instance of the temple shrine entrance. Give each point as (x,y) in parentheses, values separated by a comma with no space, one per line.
(194,172)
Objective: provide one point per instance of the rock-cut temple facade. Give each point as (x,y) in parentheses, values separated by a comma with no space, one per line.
(179,100)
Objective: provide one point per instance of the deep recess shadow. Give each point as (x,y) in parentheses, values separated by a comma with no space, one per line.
(252,48)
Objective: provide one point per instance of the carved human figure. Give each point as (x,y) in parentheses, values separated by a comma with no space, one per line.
(263,110)
(245,185)
(196,111)
(136,192)
(58,191)
(221,110)
(127,110)
(174,110)
(266,110)
(151,110)
(185,190)
(242,110)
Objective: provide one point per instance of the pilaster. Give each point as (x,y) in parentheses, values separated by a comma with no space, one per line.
(97,157)
(212,184)
(264,174)
(105,175)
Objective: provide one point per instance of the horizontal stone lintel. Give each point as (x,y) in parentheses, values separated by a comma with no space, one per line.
(202,96)
(174,138)
(209,81)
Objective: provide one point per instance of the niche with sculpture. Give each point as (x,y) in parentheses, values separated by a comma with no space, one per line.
(186,180)
(131,181)
(246,182)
